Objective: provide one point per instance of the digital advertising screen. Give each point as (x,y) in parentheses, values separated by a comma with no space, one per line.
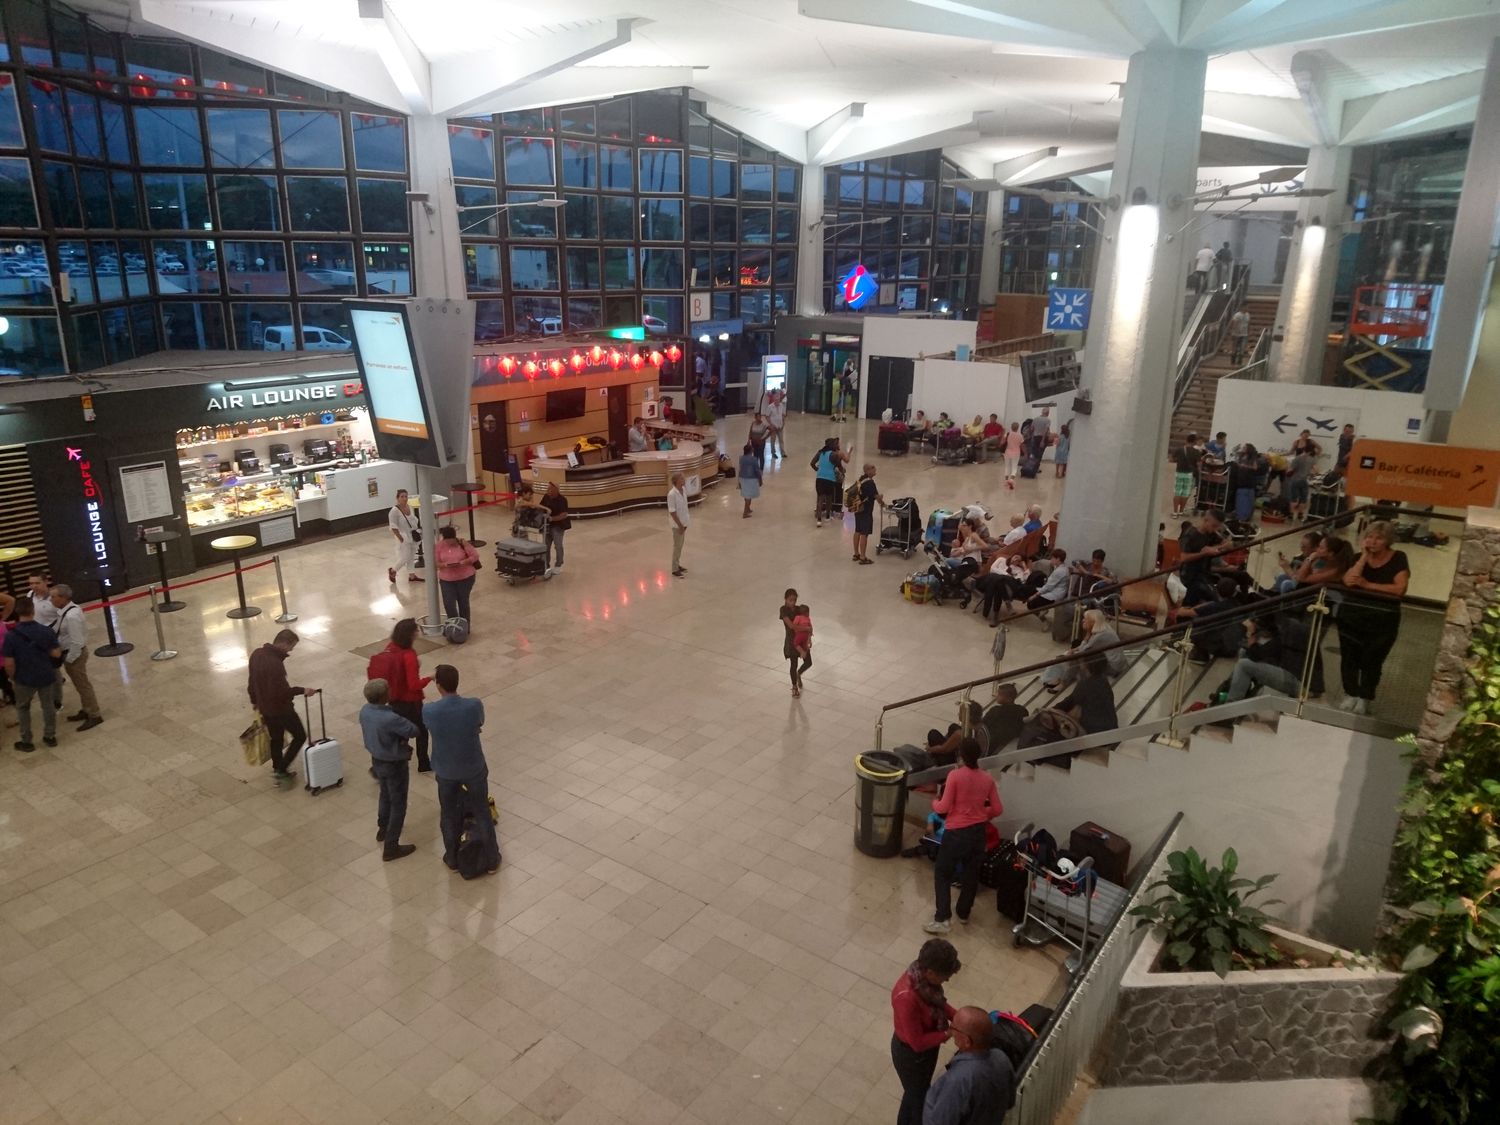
(399,415)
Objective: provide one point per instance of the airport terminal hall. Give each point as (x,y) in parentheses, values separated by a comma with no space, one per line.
(752,562)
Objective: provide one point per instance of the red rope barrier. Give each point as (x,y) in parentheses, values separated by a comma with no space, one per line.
(175,586)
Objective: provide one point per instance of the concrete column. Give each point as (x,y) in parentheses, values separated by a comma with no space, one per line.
(1113,499)
(989,260)
(1301,330)
(1466,285)
(437,252)
(810,244)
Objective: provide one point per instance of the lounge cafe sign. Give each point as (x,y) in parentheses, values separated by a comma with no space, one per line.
(314,396)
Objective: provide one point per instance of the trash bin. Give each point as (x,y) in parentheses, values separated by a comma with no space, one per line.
(879,804)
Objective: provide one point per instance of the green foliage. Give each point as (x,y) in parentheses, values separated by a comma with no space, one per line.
(1205,921)
(1445,875)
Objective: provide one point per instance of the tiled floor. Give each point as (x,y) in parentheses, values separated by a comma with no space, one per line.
(681,931)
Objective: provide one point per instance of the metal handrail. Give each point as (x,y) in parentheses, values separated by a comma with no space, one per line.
(1206,340)
(999,350)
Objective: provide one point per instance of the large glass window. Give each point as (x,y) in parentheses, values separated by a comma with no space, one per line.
(240,138)
(311,138)
(26,277)
(786,224)
(661,269)
(615,172)
(585,313)
(17,203)
(116,136)
(619,267)
(73,260)
(580,164)
(661,220)
(324,267)
(489,321)
(108,274)
(93,191)
(724,178)
(530,222)
(10,115)
(256,267)
(756,182)
(168,136)
(318,202)
(581,217)
(533,267)
(619,218)
(192,325)
(133,259)
(700,176)
(534,314)
(251,321)
(246,203)
(755,225)
(388,268)
(48,117)
(379,142)
(382,206)
(62,194)
(176,202)
(482,268)
(577,119)
(185,266)
(484,220)
(528,160)
(583,269)
(661,170)
(83,120)
(472,151)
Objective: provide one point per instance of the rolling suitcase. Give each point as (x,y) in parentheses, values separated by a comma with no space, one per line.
(891,438)
(322,761)
(1030,466)
(1109,850)
(520,559)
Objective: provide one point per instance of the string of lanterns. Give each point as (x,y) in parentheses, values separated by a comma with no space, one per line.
(578,362)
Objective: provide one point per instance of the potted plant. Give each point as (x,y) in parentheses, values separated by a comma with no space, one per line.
(1205,918)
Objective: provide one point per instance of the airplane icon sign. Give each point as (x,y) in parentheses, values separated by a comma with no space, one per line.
(74,454)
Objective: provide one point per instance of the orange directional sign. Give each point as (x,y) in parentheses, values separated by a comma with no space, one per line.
(1445,476)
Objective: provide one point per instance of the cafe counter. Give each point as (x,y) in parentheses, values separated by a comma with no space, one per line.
(635,480)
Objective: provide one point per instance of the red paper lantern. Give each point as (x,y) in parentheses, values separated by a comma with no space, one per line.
(596,354)
(142,91)
(656,359)
(578,361)
(615,358)
(557,367)
(530,369)
(182,85)
(674,353)
(637,361)
(508,365)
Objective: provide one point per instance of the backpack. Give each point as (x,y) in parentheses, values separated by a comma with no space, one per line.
(456,630)
(854,500)
(470,856)
(386,665)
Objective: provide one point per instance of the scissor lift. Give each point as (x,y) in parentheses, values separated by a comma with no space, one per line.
(1382,313)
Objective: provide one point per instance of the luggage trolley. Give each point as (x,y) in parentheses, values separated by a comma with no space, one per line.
(521,558)
(1213,492)
(1076,908)
(906,532)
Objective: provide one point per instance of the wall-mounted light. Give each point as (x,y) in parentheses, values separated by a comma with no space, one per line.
(705,339)
(724,336)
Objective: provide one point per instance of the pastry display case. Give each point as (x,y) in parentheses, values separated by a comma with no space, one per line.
(248,498)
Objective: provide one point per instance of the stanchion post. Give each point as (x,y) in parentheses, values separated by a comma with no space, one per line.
(162,651)
(286,615)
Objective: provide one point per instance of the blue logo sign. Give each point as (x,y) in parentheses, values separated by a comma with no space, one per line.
(1068,309)
(860,287)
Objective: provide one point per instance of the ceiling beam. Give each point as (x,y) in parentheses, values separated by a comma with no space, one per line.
(1281,121)
(1065,165)
(1268,23)
(1424,108)
(988,22)
(788,140)
(824,138)
(1311,71)
(914,134)
(324,64)
(470,84)
(403,61)
(588,83)
(1016,167)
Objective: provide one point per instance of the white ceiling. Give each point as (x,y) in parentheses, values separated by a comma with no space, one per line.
(985,79)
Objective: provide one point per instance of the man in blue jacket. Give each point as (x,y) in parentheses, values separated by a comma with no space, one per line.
(979,1085)
(386,734)
(454,723)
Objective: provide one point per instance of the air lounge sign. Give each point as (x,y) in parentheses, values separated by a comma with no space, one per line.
(284,396)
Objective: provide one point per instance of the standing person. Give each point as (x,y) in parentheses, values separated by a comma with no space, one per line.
(1014,443)
(404,529)
(864,515)
(558,523)
(636,440)
(1223,266)
(750,475)
(1296,483)
(1203,264)
(386,735)
(760,431)
(920,1014)
(456,562)
(31,653)
(979,1085)
(1346,446)
(1368,625)
(39,586)
(829,463)
(274,698)
(462,773)
(398,666)
(776,420)
(851,387)
(836,387)
(1041,429)
(72,635)
(677,509)
(1062,449)
(790,612)
(1239,335)
(1188,457)
(970,801)
(1218,448)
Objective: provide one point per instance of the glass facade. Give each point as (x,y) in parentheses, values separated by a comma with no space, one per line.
(1046,245)
(189,200)
(658,201)
(905,222)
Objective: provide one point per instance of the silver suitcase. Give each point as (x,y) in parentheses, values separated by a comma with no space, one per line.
(323,760)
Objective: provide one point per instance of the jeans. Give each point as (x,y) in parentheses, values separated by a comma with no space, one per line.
(1273,677)
(458,798)
(456,597)
(960,846)
(678,535)
(279,726)
(554,538)
(78,672)
(44,696)
(1365,640)
(395,780)
(915,1070)
(411,710)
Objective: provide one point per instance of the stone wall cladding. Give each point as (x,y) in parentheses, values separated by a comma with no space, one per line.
(1244,1032)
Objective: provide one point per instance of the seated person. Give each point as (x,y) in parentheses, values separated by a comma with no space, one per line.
(1222,638)
(1033,518)
(1286,581)
(1003,718)
(1016,533)
(993,436)
(1324,566)
(1201,545)
(665,443)
(1007,580)
(919,429)
(1094,578)
(1097,634)
(943,748)
(974,435)
(1055,587)
(1266,662)
(1092,702)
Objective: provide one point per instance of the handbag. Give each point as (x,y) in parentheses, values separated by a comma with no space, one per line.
(255,743)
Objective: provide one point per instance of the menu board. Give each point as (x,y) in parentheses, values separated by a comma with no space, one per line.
(146,491)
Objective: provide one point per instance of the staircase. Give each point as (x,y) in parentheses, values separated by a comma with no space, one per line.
(1196,413)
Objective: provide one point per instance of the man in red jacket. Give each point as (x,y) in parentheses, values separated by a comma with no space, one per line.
(397,665)
(274,698)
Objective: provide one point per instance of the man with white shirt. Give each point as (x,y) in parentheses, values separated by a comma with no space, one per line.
(73,638)
(45,613)
(1203,264)
(677,509)
(776,419)
(404,527)
(636,440)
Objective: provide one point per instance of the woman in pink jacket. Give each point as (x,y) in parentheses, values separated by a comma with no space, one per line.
(457,562)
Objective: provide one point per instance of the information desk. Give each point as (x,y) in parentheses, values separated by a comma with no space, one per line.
(637,480)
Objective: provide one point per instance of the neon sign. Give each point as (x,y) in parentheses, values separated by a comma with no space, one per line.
(859,287)
(93,506)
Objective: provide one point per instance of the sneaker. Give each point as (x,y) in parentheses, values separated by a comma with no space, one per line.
(936,927)
(24,747)
(285,778)
(962,919)
(78,717)
(390,572)
(1361,707)
(48,740)
(679,573)
(415,578)
(380,835)
(820,523)
(90,724)
(1347,703)
(400,851)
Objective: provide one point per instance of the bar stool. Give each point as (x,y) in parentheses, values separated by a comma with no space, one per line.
(103,576)
(236,545)
(469,489)
(9,555)
(160,539)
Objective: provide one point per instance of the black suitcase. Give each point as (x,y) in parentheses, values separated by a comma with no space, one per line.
(1010,891)
(519,559)
(1109,850)
(1030,466)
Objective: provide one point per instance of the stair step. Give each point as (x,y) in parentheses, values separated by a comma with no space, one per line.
(1098,755)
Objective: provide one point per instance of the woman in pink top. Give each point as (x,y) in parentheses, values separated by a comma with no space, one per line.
(1013,446)
(970,800)
(456,562)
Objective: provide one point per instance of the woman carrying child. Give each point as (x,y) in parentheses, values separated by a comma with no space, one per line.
(797,644)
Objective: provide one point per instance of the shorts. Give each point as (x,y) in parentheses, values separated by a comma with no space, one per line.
(1182,485)
(827,489)
(1296,491)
